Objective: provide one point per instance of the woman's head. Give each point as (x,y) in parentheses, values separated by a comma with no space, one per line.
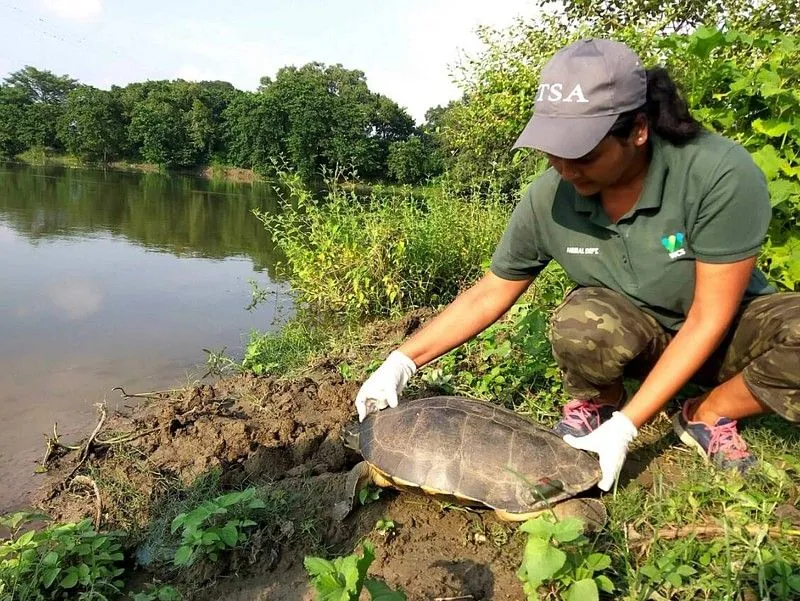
(595,110)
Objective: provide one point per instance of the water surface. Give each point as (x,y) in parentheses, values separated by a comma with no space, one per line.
(117,279)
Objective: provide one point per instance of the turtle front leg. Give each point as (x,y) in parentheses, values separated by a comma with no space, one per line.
(357,477)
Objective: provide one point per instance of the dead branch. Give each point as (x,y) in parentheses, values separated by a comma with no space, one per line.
(98,503)
(145,395)
(706,531)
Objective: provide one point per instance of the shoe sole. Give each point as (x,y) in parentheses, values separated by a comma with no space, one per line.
(687,438)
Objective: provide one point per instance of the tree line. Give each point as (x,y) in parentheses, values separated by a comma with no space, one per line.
(315,117)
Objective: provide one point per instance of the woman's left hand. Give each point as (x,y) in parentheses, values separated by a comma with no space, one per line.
(610,441)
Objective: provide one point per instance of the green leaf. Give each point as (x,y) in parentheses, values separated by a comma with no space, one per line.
(541,560)
(685,570)
(604,583)
(229,535)
(652,572)
(379,591)
(567,529)
(50,559)
(538,527)
(768,160)
(674,579)
(794,582)
(49,575)
(772,128)
(583,590)
(209,538)
(182,555)
(25,538)
(782,190)
(70,580)
(598,561)
(316,566)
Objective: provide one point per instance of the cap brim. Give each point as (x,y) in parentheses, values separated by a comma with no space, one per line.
(565,137)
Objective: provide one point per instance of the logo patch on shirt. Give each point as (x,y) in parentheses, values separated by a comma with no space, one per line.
(583,250)
(674,245)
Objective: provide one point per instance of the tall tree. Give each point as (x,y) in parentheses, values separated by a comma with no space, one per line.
(92,126)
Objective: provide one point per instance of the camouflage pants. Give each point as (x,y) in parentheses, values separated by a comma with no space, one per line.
(598,336)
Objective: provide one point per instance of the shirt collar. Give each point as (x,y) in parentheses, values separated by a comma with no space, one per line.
(651,191)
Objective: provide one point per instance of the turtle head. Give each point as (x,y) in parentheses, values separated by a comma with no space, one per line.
(351,435)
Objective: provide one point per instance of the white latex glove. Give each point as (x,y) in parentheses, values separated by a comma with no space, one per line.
(385,384)
(610,441)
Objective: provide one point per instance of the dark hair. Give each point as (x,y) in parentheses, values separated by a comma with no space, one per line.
(666,111)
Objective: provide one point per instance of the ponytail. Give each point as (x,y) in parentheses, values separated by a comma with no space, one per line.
(666,110)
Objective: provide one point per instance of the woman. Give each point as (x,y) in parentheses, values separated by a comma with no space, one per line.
(660,224)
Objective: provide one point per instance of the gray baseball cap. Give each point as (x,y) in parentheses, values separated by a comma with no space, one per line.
(582,90)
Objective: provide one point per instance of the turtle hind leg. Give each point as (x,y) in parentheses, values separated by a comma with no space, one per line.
(357,476)
(591,511)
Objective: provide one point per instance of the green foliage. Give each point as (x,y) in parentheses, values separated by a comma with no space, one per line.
(64,561)
(413,160)
(746,87)
(282,351)
(153,592)
(385,253)
(343,578)
(558,556)
(92,126)
(511,356)
(216,525)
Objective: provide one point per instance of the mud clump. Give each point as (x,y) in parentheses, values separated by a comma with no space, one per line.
(282,436)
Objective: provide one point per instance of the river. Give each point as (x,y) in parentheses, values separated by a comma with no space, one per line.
(117,279)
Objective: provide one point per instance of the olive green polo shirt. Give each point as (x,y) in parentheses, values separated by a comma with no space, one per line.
(706,200)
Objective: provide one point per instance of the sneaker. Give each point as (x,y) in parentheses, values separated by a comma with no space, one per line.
(720,444)
(581,416)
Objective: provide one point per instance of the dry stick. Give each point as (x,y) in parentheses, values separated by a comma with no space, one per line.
(98,502)
(146,395)
(684,531)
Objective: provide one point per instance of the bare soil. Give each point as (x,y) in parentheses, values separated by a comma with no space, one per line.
(285,434)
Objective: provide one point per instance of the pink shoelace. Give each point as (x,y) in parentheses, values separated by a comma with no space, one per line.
(577,414)
(725,439)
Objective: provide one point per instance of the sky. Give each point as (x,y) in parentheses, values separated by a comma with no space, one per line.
(404,47)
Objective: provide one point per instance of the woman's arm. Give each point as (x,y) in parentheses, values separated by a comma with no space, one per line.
(470,313)
(718,293)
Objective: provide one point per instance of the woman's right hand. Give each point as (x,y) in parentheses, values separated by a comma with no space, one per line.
(383,387)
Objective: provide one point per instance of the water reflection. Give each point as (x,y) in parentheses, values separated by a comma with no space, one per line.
(117,279)
(182,215)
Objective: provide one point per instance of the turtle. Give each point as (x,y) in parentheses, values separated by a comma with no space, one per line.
(472,453)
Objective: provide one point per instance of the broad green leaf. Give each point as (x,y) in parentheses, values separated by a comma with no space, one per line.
(598,561)
(317,566)
(772,128)
(541,560)
(379,591)
(182,555)
(538,527)
(604,583)
(363,563)
(49,575)
(229,535)
(70,580)
(583,590)
(50,559)
(210,537)
(769,161)
(25,538)
(674,579)
(567,529)
(685,570)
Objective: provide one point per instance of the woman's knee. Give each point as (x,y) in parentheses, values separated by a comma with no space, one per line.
(593,321)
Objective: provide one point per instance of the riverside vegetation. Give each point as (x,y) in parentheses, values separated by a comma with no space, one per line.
(684,531)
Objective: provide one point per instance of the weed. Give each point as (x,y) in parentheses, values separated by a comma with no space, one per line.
(216,525)
(283,351)
(385,527)
(153,592)
(559,556)
(343,578)
(61,561)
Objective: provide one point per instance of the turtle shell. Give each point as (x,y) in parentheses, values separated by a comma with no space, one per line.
(473,450)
